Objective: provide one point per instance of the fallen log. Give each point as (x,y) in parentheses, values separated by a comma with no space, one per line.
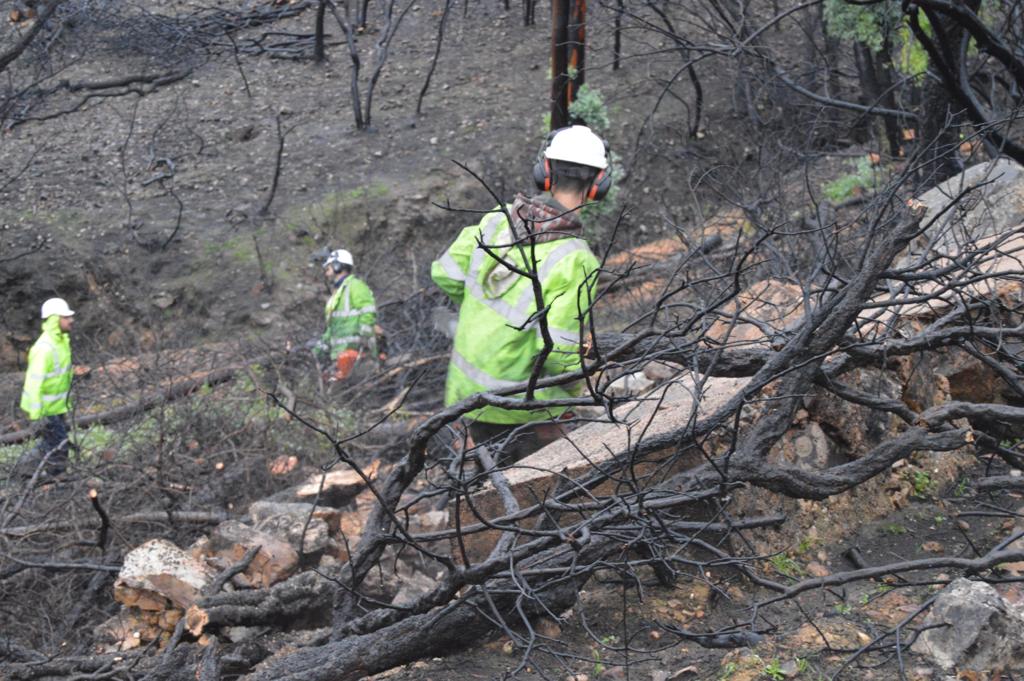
(419,636)
(305,595)
(334,488)
(999,482)
(171,518)
(727,363)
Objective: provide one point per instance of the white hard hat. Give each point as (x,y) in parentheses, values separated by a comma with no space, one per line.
(56,306)
(578,144)
(339,257)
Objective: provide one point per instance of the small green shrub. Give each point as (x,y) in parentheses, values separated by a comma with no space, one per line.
(786,566)
(923,484)
(863,177)
(773,670)
(589,109)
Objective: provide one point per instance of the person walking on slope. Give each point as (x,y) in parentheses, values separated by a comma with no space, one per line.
(498,337)
(46,393)
(350,317)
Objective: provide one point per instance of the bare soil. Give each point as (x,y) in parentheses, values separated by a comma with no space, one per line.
(88,190)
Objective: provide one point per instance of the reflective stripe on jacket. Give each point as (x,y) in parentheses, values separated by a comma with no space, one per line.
(497,339)
(349,318)
(48,375)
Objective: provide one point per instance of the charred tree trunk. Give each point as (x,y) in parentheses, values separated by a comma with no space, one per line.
(318,36)
(568,37)
(941,115)
(617,49)
(529,12)
(437,53)
(416,637)
(876,84)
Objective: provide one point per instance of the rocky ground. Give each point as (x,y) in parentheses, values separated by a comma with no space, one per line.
(809,645)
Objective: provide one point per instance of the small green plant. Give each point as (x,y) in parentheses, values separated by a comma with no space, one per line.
(868,24)
(863,177)
(728,671)
(961,487)
(599,666)
(894,529)
(589,108)
(11,453)
(802,665)
(939,519)
(805,545)
(786,566)
(773,670)
(923,483)
(878,591)
(843,608)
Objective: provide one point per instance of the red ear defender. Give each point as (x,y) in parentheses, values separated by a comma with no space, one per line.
(547,175)
(594,186)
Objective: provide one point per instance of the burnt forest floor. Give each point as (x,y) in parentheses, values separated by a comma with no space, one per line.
(149,282)
(811,638)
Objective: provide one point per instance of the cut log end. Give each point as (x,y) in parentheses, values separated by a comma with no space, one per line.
(196,620)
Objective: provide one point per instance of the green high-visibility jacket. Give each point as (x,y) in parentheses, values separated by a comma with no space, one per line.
(48,376)
(349,318)
(497,339)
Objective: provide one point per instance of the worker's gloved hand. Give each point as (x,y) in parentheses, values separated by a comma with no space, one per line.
(345,363)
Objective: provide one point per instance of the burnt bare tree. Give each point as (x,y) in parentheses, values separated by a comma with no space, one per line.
(391,20)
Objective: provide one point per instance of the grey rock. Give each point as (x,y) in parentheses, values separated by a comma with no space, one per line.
(292,523)
(413,585)
(990,209)
(630,384)
(444,321)
(275,561)
(808,448)
(660,372)
(854,429)
(984,631)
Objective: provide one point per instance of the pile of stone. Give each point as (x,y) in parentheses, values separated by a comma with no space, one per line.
(310,525)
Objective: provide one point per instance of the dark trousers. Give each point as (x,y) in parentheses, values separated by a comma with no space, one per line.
(53,440)
(514,442)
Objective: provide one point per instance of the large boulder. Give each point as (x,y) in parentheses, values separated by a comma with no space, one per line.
(275,560)
(972,628)
(158,575)
(994,204)
(304,526)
